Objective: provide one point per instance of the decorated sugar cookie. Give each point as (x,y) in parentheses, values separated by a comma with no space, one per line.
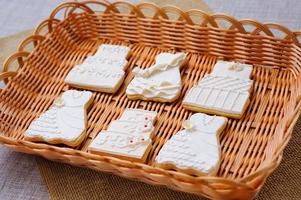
(161,82)
(226,91)
(194,150)
(145,127)
(103,72)
(129,138)
(140,115)
(64,122)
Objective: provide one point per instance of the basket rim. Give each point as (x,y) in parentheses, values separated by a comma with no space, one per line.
(184,16)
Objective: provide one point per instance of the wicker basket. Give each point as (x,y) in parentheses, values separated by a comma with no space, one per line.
(252,147)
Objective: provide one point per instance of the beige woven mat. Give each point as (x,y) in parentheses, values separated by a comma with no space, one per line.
(10,44)
(68,182)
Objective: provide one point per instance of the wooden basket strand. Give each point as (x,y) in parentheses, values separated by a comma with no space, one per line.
(34,39)
(5,75)
(16,56)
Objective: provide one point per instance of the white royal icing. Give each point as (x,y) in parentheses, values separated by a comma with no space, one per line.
(131,127)
(65,120)
(162,80)
(226,89)
(112,51)
(104,70)
(131,114)
(130,136)
(232,69)
(116,143)
(196,147)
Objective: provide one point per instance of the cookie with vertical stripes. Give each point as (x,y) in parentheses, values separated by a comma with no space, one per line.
(226,91)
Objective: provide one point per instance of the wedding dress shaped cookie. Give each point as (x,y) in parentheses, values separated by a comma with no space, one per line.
(194,150)
(103,72)
(64,122)
(226,91)
(161,82)
(129,137)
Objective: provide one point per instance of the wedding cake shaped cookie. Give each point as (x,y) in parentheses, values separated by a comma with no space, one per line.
(161,82)
(64,122)
(226,91)
(194,150)
(103,72)
(129,137)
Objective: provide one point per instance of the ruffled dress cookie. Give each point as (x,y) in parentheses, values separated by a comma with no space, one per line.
(161,82)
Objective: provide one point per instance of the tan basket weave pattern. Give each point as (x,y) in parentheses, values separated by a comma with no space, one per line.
(251,147)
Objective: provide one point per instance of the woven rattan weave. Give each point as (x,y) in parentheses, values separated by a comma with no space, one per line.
(251,147)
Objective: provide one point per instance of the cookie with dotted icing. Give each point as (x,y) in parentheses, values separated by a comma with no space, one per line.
(103,72)
(194,150)
(64,122)
(129,137)
(226,91)
(131,114)
(161,82)
(145,128)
